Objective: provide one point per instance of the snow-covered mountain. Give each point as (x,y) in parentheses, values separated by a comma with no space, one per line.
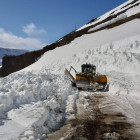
(120,15)
(38,99)
(124,11)
(6,51)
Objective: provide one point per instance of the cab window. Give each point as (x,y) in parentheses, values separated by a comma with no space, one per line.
(87,69)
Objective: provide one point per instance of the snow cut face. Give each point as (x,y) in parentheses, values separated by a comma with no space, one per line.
(34,101)
(26,87)
(115,49)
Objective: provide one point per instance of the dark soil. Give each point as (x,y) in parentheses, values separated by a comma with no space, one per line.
(94,124)
(89,128)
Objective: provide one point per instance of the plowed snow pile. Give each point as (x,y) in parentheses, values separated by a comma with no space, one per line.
(36,100)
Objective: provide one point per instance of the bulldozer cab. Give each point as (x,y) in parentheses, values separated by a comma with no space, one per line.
(87,68)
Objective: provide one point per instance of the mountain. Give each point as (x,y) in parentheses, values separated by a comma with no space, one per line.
(6,51)
(39,102)
(120,15)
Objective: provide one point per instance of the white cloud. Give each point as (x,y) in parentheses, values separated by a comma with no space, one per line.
(9,40)
(31,29)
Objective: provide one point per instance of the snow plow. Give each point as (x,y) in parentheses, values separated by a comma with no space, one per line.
(88,78)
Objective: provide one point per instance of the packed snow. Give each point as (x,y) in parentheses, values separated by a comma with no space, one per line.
(33,101)
(115,43)
(36,100)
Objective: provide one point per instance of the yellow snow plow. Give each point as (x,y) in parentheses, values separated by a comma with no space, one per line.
(88,78)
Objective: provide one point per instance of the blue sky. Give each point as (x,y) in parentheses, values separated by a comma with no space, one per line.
(32,24)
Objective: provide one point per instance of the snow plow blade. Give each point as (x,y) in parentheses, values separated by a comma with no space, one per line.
(72,79)
(97,83)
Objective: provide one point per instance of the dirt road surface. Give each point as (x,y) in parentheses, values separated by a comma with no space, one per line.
(98,116)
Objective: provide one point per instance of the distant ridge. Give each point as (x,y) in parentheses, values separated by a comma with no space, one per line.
(7,51)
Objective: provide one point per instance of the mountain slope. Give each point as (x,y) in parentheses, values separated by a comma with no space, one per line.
(120,15)
(39,99)
(123,11)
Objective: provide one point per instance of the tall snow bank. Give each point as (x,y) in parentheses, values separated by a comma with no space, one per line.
(36,101)
(115,49)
